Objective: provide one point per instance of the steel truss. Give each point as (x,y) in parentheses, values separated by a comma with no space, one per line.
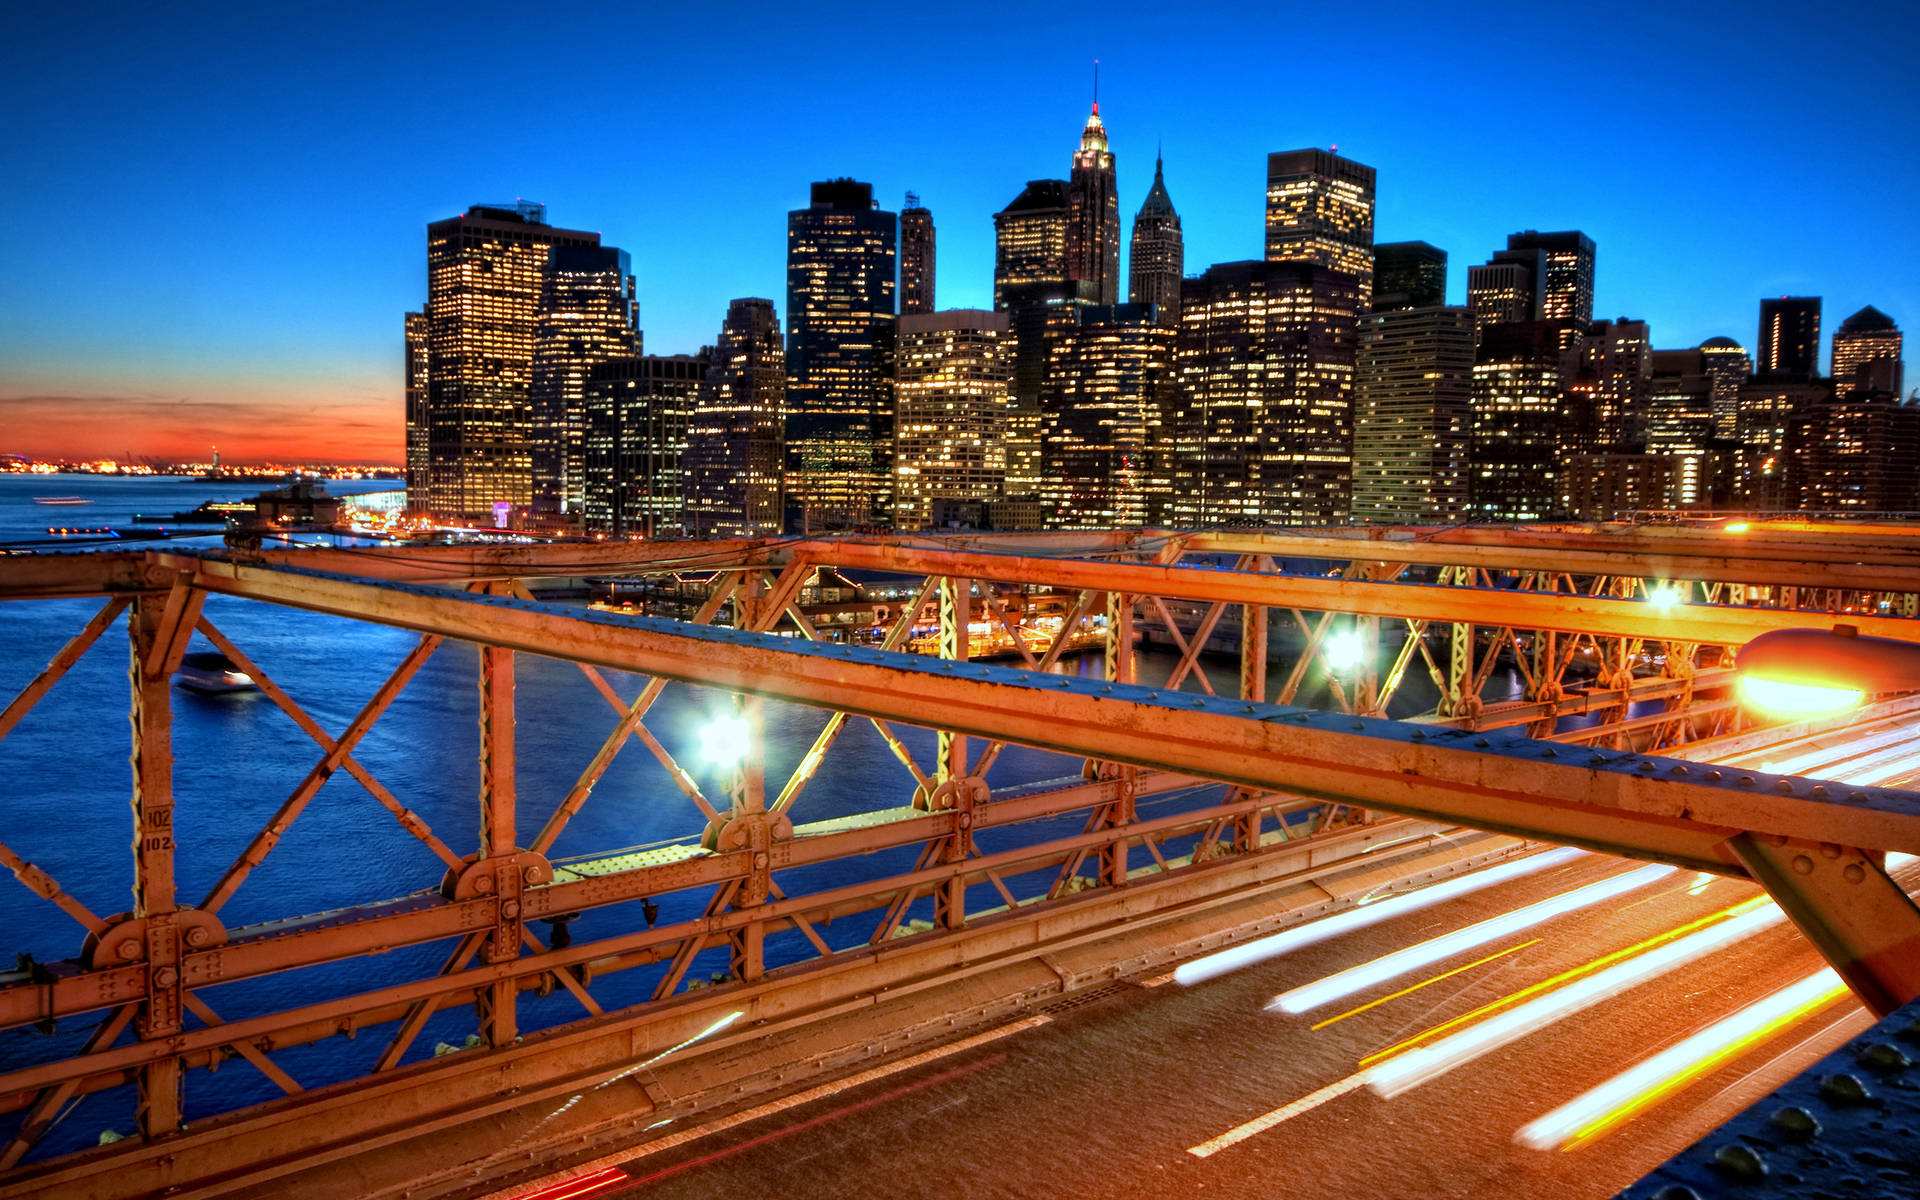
(1646,611)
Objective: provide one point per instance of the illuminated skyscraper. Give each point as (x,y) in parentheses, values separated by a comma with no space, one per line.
(1617,357)
(1093,215)
(1413,413)
(1520,378)
(1681,423)
(733,475)
(1408,275)
(1320,210)
(1769,404)
(1505,290)
(1110,391)
(952,419)
(1564,283)
(1866,353)
(1728,363)
(588,315)
(1030,240)
(485,276)
(1031,286)
(416,372)
(1265,431)
(1789,337)
(635,444)
(1858,452)
(1157,258)
(841,269)
(916,257)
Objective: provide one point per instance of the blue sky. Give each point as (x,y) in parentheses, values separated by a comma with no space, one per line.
(222,208)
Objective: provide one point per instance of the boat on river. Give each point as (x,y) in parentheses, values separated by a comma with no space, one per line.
(213,673)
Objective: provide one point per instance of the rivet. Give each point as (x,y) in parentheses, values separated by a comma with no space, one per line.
(1858,797)
(1741,1161)
(166,977)
(484,885)
(1845,1089)
(1829,851)
(1885,1057)
(1646,768)
(760,861)
(1418,735)
(1796,1123)
(1482,742)
(1819,791)
(128,951)
(1745,781)
(1802,865)
(197,936)
(1784,787)
(1678,770)
(1854,872)
(531,874)
(510,909)
(1713,777)
(1549,752)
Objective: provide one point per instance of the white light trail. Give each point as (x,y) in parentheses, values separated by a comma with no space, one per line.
(1356,979)
(1368,913)
(1593,1112)
(1410,1070)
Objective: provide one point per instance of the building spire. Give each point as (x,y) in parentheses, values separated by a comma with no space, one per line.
(1096,87)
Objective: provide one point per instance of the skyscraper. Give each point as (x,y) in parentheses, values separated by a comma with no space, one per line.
(916,257)
(1858,452)
(1503,291)
(1265,431)
(952,419)
(1110,391)
(1031,286)
(1681,424)
(1320,210)
(418,461)
(1520,379)
(841,268)
(1728,363)
(1564,283)
(1413,413)
(1408,275)
(1866,353)
(1157,258)
(485,276)
(1093,215)
(1789,337)
(734,461)
(635,444)
(1618,358)
(588,315)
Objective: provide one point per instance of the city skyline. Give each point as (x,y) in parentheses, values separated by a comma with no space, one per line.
(242,221)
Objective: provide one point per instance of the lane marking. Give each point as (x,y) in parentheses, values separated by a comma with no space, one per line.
(1260,1124)
(1406,991)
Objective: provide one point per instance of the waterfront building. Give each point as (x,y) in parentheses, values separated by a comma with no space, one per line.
(1408,275)
(1320,210)
(1156,259)
(1729,365)
(733,475)
(842,266)
(1866,353)
(588,315)
(1093,215)
(635,444)
(486,274)
(916,257)
(951,422)
(1109,393)
(1520,396)
(418,461)
(1413,412)
(1264,435)
(1789,337)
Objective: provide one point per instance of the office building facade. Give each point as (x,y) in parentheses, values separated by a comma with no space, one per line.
(588,316)
(951,422)
(1109,394)
(1408,275)
(733,479)
(1320,210)
(635,443)
(1093,215)
(1866,354)
(1157,257)
(1413,411)
(486,272)
(1789,337)
(917,257)
(842,266)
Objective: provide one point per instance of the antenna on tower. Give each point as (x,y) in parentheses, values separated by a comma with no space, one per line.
(1096,85)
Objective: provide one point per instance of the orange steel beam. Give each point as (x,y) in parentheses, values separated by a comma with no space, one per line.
(1599,616)
(1628,804)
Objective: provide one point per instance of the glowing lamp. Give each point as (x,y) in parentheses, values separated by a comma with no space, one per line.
(724,739)
(1345,650)
(1800,671)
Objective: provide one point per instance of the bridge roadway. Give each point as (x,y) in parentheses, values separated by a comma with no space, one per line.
(1152,1088)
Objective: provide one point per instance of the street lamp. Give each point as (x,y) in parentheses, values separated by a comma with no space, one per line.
(1802,671)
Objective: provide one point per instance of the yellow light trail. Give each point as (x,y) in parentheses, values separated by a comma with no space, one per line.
(1599,1111)
(1354,1012)
(1567,976)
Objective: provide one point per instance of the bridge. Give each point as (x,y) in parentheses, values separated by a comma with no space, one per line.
(1183,817)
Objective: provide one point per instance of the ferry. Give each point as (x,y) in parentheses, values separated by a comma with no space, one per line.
(61,500)
(213,673)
